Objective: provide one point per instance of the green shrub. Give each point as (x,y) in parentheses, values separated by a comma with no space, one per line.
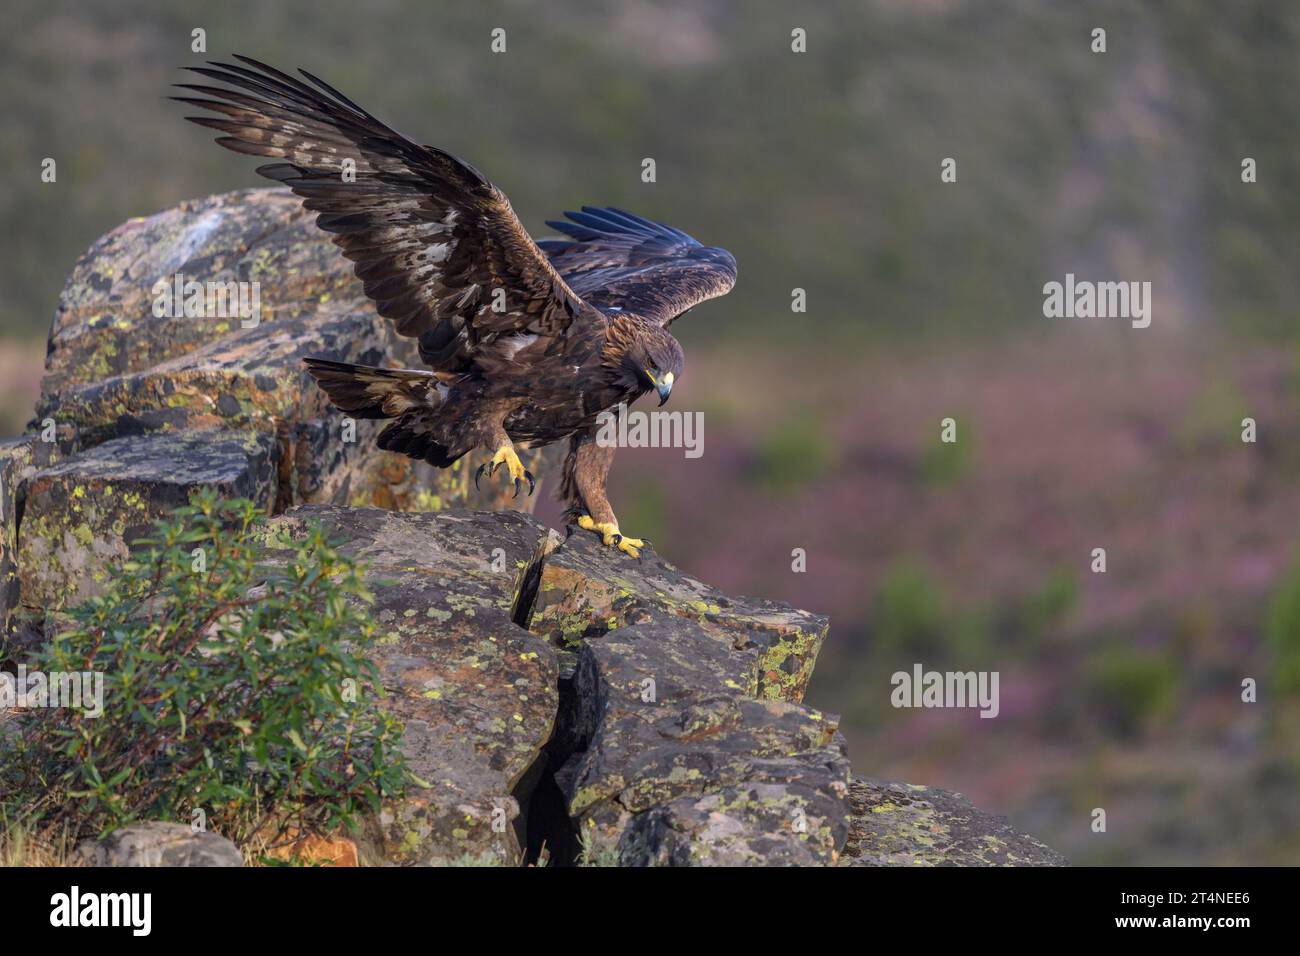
(230,685)
(946,463)
(911,612)
(795,452)
(1213,419)
(1129,687)
(914,618)
(1282,630)
(1034,616)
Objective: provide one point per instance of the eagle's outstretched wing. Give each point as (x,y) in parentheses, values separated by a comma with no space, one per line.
(432,239)
(620,260)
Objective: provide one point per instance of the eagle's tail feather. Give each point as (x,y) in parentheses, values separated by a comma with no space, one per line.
(409,395)
(412,435)
(366,392)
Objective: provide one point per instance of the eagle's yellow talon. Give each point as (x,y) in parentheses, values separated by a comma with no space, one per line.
(611,536)
(505,455)
(628,545)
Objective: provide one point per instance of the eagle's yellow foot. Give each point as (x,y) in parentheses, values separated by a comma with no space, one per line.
(505,455)
(610,535)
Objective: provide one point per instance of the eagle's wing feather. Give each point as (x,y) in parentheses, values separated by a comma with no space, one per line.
(431,238)
(615,259)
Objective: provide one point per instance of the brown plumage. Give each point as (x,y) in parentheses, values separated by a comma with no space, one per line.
(526,343)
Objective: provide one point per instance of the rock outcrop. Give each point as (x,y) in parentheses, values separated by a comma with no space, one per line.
(582,594)
(158,844)
(477,693)
(673,761)
(899,824)
(126,377)
(561,701)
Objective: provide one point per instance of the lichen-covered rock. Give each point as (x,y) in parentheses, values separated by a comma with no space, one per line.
(477,693)
(585,591)
(899,824)
(119,374)
(81,514)
(697,770)
(116,367)
(105,324)
(158,844)
(751,824)
(20,459)
(674,763)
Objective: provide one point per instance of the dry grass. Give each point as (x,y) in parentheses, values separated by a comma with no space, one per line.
(19,846)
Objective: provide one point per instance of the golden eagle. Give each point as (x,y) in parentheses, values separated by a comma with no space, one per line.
(527,343)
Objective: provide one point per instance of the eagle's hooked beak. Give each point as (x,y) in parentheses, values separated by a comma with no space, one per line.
(664,386)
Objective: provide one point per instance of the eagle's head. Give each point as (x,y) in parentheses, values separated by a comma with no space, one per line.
(641,357)
(651,358)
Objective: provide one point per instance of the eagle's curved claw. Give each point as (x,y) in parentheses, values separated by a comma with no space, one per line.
(505,455)
(532,485)
(611,536)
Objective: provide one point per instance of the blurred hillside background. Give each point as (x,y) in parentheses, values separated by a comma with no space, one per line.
(821,171)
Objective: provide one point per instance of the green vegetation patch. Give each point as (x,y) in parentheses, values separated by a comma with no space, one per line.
(230,688)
